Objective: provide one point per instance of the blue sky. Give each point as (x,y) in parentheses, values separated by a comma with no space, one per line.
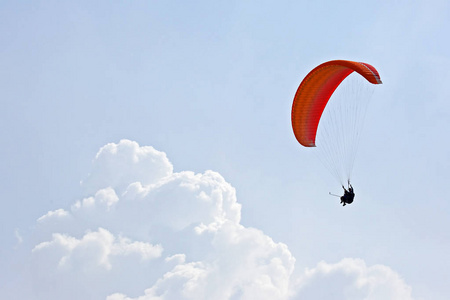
(211,85)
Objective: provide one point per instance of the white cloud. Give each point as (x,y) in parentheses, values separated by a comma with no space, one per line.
(106,197)
(246,264)
(95,249)
(59,213)
(351,279)
(144,232)
(118,165)
(19,238)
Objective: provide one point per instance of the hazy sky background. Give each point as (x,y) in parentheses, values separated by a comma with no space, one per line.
(209,85)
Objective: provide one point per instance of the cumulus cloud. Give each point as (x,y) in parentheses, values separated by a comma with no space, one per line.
(117,165)
(94,249)
(144,232)
(352,279)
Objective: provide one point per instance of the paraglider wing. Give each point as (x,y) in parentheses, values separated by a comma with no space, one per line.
(316,89)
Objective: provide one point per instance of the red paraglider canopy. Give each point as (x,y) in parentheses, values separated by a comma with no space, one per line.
(316,89)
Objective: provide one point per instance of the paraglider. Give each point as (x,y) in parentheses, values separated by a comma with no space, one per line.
(348,196)
(341,131)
